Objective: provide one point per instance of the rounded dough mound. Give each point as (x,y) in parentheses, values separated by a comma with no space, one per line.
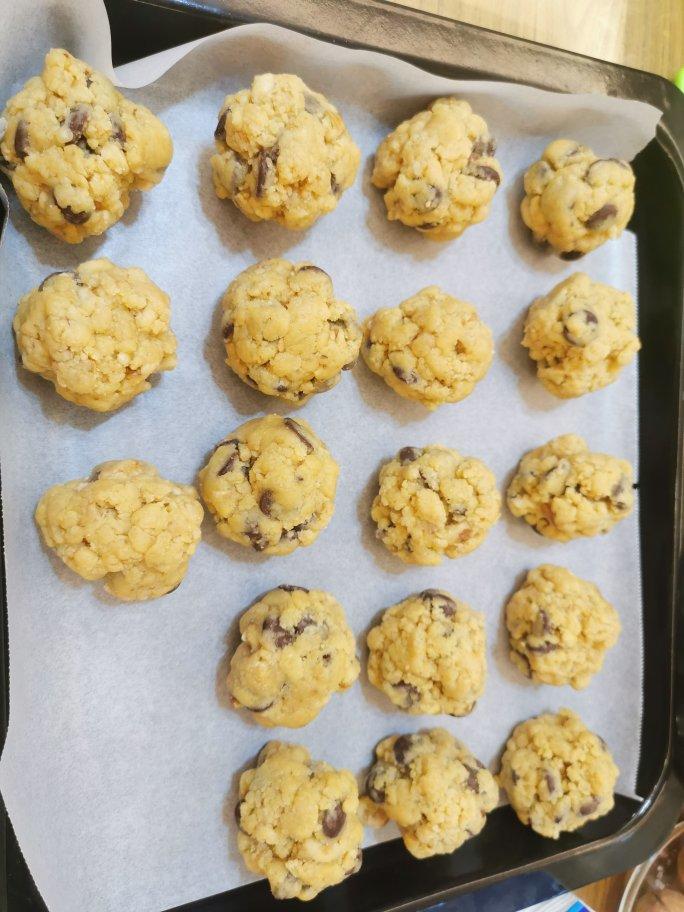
(563,491)
(432,348)
(298,822)
(270,485)
(557,774)
(575,201)
(74,148)
(438,170)
(125,524)
(427,654)
(283,152)
(296,651)
(581,334)
(560,627)
(97,333)
(434,789)
(285,332)
(433,502)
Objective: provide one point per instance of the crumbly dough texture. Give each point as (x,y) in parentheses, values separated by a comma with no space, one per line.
(125,524)
(581,335)
(270,485)
(560,627)
(427,654)
(438,170)
(432,502)
(97,333)
(296,650)
(298,822)
(575,201)
(283,152)
(432,348)
(557,774)
(74,148)
(285,332)
(434,789)
(564,491)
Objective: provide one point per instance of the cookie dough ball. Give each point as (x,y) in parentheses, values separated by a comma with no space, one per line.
(296,651)
(427,654)
(74,148)
(283,152)
(97,333)
(581,334)
(125,524)
(575,201)
(285,332)
(433,502)
(438,170)
(432,348)
(434,789)
(557,774)
(560,627)
(563,491)
(270,485)
(298,822)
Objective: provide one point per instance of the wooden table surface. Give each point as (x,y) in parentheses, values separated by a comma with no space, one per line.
(646,34)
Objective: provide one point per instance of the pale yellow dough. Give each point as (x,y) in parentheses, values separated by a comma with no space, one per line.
(581,334)
(283,152)
(74,148)
(438,170)
(427,654)
(285,332)
(298,822)
(432,348)
(432,502)
(557,774)
(564,491)
(97,333)
(270,485)
(125,524)
(432,786)
(295,651)
(560,627)
(575,201)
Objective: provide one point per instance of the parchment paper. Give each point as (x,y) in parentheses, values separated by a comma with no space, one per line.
(121,750)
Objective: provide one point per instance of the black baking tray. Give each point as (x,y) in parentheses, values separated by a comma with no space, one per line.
(391,879)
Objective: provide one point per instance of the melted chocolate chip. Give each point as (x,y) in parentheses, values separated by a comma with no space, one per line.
(589,807)
(228,330)
(601,215)
(401,747)
(375,794)
(543,649)
(74,218)
(292,534)
(439,600)
(408,377)
(296,428)
(408,454)
(411,692)
(334,186)
(255,537)
(305,622)
(286,587)
(77,120)
(572,255)
(266,503)
(229,464)
(281,636)
(333,821)
(485,173)
(221,125)
(327,658)
(21,140)
(483,146)
(266,164)
(588,331)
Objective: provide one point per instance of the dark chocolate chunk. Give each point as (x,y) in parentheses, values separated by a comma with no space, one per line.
(411,692)
(485,173)
(334,186)
(255,537)
(515,778)
(232,459)
(297,429)
(601,215)
(333,821)
(77,120)
(305,622)
(483,146)
(439,600)
(589,807)
(350,365)
(551,783)
(222,443)
(408,377)
(75,218)
(266,164)
(228,330)
(221,125)
(266,503)
(590,321)
(291,534)
(408,454)
(401,747)
(21,140)
(327,658)
(282,636)
(374,793)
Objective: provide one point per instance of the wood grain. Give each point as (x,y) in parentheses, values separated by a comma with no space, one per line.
(646,34)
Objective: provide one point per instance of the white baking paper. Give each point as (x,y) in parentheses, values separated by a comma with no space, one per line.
(122,753)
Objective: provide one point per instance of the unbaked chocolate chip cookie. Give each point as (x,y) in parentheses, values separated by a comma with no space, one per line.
(74,148)
(298,822)
(270,485)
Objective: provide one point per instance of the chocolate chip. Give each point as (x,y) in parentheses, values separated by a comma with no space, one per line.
(550,782)
(589,807)
(601,215)
(228,330)
(266,503)
(309,267)
(21,140)
(333,821)
(305,622)
(515,778)
(588,327)
(427,198)
(408,377)
(220,126)
(558,818)
(411,692)
(75,218)
(428,226)
(286,587)
(350,365)
(222,443)
(118,129)
(439,600)
(546,625)
(238,811)
(340,322)
(282,636)
(375,794)
(260,709)
(256,538)
(334,186)
(572,255)
(229,464)
(77,120)
(483,146)
(296,428)
(408,454)
(401,747)
(472,781)
(89,80)
(266,164)
(327,658)
(291,534)
(485,173)
(618,488)
(52,274)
